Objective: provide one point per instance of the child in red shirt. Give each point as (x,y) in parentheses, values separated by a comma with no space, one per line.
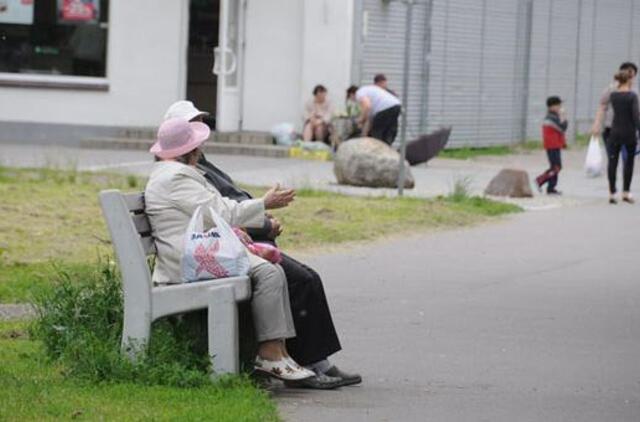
(553,130)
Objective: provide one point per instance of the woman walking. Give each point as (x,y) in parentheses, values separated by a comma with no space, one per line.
(624,132)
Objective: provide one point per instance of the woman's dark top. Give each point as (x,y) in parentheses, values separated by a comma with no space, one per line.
(626,117)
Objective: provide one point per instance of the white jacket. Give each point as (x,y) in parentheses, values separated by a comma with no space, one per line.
(173,193)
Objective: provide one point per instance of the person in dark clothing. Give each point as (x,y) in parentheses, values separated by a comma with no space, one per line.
(604,114)
(624,134)
(553,130)
(316,337)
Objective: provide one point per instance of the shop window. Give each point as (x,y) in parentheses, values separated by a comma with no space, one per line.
(54,37)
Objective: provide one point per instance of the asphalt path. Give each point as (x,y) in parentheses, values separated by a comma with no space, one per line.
(536,318)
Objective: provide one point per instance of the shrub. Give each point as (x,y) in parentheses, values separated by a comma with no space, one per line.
(80,324)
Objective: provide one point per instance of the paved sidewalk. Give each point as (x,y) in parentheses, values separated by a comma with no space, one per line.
(533,319)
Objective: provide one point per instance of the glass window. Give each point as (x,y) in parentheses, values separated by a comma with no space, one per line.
(54,37)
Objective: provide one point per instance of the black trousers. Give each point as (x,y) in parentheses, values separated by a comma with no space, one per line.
(316,337)
(613,151)
(385,125)
(551,175)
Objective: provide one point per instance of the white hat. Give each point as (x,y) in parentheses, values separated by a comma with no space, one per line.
(183,109)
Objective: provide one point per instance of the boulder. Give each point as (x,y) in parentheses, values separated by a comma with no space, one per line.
(369,162)
(510,182)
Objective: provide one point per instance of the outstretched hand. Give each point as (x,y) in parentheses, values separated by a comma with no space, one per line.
(276,197)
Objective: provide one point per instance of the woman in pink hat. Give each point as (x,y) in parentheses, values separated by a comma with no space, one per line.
(174,191)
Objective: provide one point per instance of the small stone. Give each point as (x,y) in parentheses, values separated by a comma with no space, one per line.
(510,182)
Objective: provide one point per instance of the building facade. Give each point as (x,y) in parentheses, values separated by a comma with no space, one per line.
(76,69)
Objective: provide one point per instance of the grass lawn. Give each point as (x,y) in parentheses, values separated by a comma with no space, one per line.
(35,390)
(53,216)
(466,153)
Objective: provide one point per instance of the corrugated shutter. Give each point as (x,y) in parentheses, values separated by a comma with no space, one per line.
(610,42)
(382,51)
(476,71)
(553,58)
(608,35)
(488,75)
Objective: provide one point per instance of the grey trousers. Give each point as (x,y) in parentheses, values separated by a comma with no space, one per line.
(270,303)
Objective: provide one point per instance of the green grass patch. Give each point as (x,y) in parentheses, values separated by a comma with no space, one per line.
(466,153)
(54,215)
(33,389)
(530,145)
(66,364)
(318,218)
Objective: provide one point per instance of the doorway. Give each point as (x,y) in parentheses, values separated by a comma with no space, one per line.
(202,83)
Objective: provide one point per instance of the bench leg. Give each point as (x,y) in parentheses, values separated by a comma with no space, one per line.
(135,337)
(223,330)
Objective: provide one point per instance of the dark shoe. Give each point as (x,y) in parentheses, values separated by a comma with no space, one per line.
(553,192)
(319,382)
(629,200)
(346,379)
(613,201)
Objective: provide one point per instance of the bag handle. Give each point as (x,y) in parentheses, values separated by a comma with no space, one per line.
(196,222)
(223,226)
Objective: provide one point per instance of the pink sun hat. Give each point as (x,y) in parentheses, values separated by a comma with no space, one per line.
(178,136)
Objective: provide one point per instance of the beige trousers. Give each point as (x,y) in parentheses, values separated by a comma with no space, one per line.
(270,303)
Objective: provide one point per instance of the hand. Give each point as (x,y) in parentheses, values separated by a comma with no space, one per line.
(595,130)
(276,228)
(277,197)
(244,237)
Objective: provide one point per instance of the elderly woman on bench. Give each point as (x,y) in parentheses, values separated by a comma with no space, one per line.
(174,191)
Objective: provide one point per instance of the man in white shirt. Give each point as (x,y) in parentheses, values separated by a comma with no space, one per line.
(382,109)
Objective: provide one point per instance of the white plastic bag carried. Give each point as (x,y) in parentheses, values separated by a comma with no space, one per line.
(214,253)
(594,162)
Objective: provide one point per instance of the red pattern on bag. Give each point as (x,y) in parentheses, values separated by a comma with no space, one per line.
(206,259)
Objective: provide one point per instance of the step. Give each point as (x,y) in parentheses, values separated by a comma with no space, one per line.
(241,137)
(272,151)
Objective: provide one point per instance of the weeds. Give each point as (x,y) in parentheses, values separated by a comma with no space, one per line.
(461,189)
(132,181)
(80,324)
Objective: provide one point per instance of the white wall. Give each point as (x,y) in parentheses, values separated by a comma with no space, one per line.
(146,57)
(273,56)
(326,50)
(292,45)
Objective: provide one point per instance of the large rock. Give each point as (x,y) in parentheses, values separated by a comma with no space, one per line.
(510,182)
(369,162)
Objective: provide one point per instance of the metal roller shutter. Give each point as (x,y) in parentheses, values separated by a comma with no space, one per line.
(553,59)
(382,51)
(492,63)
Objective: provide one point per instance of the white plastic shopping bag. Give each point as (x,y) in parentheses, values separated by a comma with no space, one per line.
(594,162)
(213,253)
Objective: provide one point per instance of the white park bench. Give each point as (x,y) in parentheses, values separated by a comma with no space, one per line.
(144,303)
